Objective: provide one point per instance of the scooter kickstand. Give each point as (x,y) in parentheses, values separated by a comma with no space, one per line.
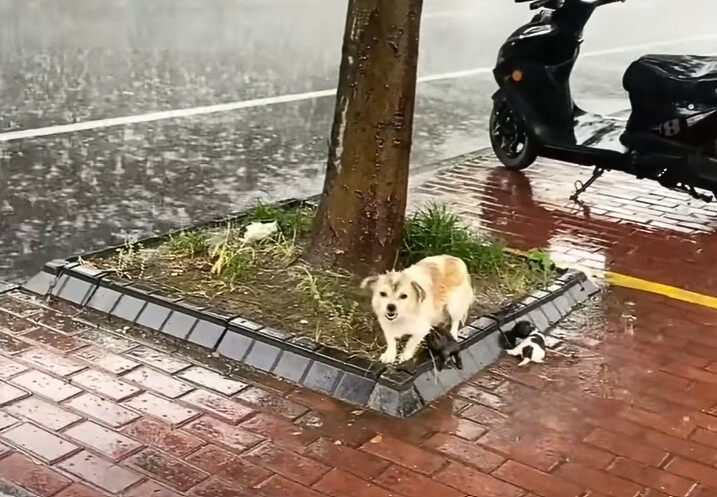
(580,187)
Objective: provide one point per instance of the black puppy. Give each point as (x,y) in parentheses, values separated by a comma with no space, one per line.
(521,330)
(445,349)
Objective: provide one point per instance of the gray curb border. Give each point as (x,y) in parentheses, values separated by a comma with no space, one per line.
(397,391)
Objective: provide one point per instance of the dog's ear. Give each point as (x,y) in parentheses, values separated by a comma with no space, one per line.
(369,282)
(420,292)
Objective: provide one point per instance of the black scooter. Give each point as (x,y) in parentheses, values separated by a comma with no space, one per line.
(670,135)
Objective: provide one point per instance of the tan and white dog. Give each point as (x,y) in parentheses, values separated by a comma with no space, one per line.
(412,301)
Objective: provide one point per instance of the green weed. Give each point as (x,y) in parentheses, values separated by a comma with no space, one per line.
(188,243)
(435,230)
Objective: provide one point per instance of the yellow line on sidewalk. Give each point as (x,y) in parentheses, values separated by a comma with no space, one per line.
(672,292)
(627,281)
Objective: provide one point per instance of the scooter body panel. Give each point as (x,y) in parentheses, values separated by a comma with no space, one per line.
(671,140)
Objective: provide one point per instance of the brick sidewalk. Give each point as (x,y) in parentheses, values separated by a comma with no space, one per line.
(89,408)
(626,225)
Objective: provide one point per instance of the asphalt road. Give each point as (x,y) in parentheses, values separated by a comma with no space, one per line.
(77,61)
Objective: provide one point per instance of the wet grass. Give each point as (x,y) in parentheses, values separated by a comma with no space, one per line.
(268,281)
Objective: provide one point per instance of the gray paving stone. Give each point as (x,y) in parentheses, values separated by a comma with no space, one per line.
(245,324)
(234,345)
(274,334)
(486,351)
(206,334)
(429,385)
(451,377)
(305,343)
(59,284)
(56,264)
(570,296)
(551,312)
(153,316)
(291,366)
(563,305)
(354,388)
(128,308)
(539,320)
(467,332)
(104,299)
(470,366)
(409,403)
(483,323)
(39,284)
(589,287)
(88,270)
(262,356)
(179,325)
(76,290)
(322,377)
(6,287)
(385,399)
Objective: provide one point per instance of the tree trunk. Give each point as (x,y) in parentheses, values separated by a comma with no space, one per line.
(360,219)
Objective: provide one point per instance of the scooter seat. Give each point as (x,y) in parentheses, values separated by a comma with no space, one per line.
(672,78)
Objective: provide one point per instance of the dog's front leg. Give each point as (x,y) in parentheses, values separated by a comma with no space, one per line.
(412,344)
(389,356)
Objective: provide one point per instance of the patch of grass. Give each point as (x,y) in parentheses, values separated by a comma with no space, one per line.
(188,243)
(230,259)
(436,230)
(293,222)
(267,281)
(540,261)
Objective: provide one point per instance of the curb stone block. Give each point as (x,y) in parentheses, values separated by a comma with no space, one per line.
(539,319)
(234,345)
(7,287)
(397,392)
(322,377)
(291,366)
(551,312)
(179,325)
(104,299)
(39,284)
(262,356)
(354,389)
(206,334)
(153,316)
(74,289)
(128,308)
(562,304)
(244,324)
(429,386)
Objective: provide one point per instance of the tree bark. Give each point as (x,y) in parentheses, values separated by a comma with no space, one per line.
(360,218)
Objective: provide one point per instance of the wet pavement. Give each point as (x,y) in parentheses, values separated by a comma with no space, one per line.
(627,407)
(80,61)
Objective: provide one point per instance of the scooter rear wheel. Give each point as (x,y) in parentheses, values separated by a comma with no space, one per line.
(514,147)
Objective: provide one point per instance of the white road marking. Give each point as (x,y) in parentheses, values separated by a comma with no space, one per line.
(284,99)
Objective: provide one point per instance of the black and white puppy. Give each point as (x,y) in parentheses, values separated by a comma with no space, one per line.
(520,331)
(524,341)
(445,349)
(531,349)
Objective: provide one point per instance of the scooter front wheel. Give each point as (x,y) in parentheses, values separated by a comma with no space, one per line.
(514,147)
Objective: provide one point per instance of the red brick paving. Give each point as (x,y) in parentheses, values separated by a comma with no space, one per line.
(621,411)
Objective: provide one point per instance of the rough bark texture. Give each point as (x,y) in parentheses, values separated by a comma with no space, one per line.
(362,210)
